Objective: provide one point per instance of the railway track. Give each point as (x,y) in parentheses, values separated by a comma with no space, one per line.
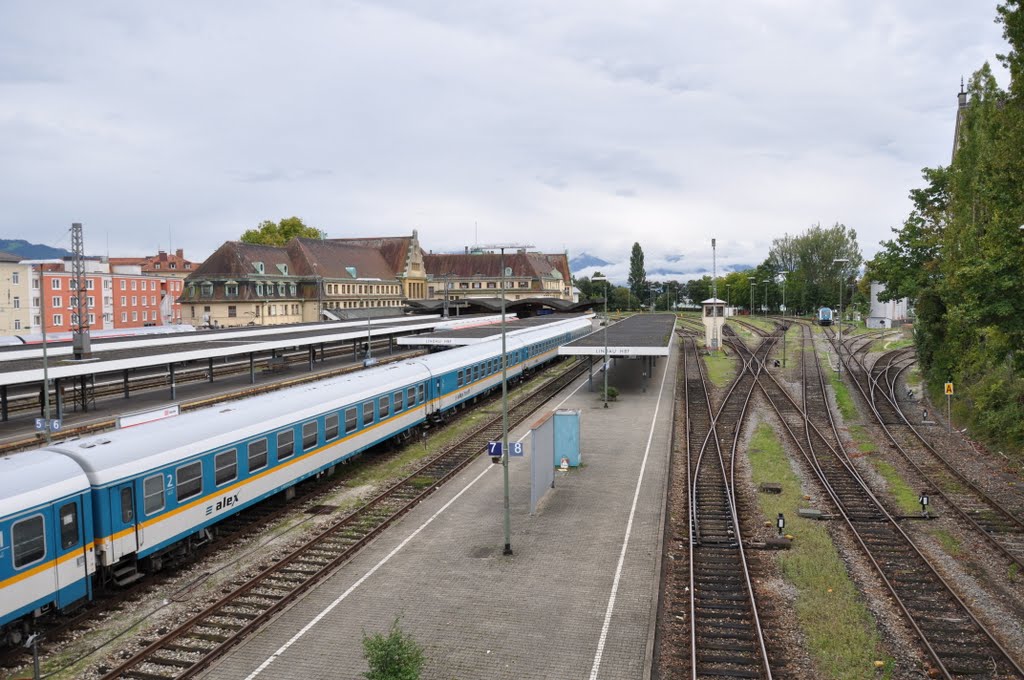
(208,635)
(712,592)
(954,642)
(992,519)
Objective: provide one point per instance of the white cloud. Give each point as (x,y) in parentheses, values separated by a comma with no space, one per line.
(576,125)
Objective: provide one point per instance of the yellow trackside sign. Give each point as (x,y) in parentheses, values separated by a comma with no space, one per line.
(949,389)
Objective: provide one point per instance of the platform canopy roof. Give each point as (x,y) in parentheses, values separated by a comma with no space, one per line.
(640,335)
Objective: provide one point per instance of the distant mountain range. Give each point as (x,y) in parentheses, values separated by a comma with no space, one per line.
(31,251)
(583,260)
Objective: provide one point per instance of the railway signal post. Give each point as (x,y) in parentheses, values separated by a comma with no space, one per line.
(949,397)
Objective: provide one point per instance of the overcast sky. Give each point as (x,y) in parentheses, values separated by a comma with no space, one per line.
(576,124)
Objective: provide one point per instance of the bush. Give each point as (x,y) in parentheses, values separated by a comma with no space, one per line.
(613,394)
(394,656)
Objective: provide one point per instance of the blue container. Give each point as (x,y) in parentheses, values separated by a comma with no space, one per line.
(567,437)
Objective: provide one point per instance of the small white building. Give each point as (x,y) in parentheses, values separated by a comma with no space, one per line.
(714,319)
(885,314)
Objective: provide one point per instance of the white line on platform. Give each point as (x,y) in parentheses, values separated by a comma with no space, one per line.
(625,541)
(327,610)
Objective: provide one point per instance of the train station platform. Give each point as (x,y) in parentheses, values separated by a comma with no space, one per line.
(640,335)
(577,599)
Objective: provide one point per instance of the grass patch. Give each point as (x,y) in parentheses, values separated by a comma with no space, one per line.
(721,368)
(948,542)
(843,398)
(906,498)
(865,444)
(840,631)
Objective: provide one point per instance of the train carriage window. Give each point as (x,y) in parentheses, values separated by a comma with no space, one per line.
(421,391)
(399,403)
(367,413)
(68,525)
(458,378)
(350,420)
(153,494)
(385,407)
(285,444)
(28,541)
(331,427)
(309,433)
(476,373)
(257,455)
(225,467)
(127,511)
(189,480)
(410,395)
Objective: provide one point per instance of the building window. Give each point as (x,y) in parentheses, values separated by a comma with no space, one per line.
(135,316)
(14,277)
(152,285)
(58,319)
(145,316)
(55,283)
(491,284)
(174,265)
(17,324)
(231,289)
(524,284)
(92,319)
(232,311)
(16,302)
(124,285)
(90,301)
(124,316)
(135,300)
(135,284)
(56,302)
(156,266)
(89,284)
(206,289)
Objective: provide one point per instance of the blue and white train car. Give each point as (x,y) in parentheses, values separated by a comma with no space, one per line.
(824,316)
(158,489)
(46,541)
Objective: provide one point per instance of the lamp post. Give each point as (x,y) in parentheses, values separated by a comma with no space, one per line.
(504,391)
(728,295)
(785,330)
(752,283)
(605,279)
(766,282)
(842,283)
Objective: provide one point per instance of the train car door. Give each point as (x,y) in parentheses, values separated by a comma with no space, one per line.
(125,532)
(73,581)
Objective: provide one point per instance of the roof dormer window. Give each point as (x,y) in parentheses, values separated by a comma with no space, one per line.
(258,266)
(283,268)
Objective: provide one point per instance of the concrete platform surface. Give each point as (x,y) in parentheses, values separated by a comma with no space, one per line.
(577,599)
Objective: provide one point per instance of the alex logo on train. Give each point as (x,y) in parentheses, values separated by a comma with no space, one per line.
(222,503)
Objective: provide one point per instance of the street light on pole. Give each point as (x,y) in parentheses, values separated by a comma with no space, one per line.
(766,282)
(842,284)
(504,389)
(785,330)
(752,283)
(605,279)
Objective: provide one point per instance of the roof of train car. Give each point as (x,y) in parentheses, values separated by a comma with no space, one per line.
(113,456)
(43,477)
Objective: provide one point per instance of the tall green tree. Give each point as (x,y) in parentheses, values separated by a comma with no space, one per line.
(269,233)
(637,274)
